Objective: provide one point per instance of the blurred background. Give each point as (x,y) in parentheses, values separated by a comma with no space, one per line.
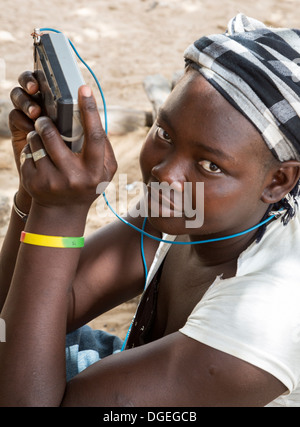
(124,41)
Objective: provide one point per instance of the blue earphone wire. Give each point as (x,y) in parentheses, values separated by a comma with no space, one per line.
(142,231)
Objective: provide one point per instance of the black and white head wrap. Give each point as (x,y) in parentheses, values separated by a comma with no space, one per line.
(256,68)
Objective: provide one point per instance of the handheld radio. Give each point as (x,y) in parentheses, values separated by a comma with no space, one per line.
(59,79)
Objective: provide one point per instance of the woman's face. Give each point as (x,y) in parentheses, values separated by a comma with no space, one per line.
(199,137)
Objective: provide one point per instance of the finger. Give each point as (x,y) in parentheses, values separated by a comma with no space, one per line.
(20,125)
(25,154)
(95,137)
(28,82)
(24,102)
(38,152)
(52,141)
(97,145)
(97,150)
(19,122)
(26,164)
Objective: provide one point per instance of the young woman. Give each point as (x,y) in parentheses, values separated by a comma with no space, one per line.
(219,321)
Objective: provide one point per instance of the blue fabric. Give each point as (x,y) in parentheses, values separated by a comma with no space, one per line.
(86,346)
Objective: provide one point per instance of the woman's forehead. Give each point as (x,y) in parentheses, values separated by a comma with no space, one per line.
(193,93)
(196,110)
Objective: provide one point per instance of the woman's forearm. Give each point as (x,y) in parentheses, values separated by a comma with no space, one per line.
(35,313)
(63,186)
(11,243)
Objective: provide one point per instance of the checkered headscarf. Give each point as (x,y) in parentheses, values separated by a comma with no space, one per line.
(256,69)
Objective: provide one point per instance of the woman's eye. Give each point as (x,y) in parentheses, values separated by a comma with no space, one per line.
(162,134)
(210,166)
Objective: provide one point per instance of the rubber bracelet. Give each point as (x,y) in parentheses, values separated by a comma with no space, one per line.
(51,241)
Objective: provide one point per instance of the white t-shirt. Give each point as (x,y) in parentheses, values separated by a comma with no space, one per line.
(255,316)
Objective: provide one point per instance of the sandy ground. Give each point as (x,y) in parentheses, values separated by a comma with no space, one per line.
(123,41)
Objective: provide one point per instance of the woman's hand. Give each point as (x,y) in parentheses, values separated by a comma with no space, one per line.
(62,178)
(21,119)
(21,122)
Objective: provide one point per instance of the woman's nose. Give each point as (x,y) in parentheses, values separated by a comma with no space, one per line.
(170,171)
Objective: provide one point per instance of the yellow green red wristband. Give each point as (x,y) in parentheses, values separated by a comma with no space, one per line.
(51,241)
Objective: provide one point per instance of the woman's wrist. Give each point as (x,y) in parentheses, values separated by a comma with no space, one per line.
(57,220)
(22,200)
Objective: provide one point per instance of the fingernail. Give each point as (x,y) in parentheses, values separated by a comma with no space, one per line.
(31,110)
(86,91)
(30,86)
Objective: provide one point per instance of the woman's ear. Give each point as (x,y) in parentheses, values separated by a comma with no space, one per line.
(284,180)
